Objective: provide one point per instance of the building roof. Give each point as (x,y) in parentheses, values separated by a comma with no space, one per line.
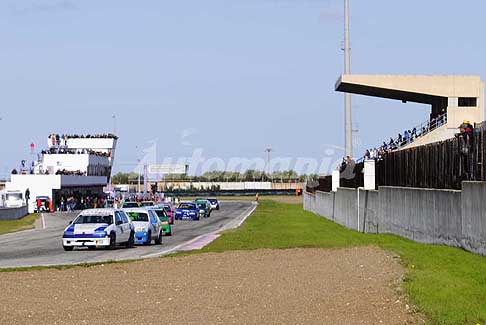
(425,89)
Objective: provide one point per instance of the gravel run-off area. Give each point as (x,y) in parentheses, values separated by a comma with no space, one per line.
(292,286)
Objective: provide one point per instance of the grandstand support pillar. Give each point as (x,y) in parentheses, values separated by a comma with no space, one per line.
(336,176)
(369,175)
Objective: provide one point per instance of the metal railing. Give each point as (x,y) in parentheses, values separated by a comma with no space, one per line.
(415,133)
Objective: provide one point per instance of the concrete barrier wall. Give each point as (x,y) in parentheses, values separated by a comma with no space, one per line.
(473,205)
(309,202)
(448,217)
(324,204)
(369,211)
(13,213)
(345,211)
(423,215)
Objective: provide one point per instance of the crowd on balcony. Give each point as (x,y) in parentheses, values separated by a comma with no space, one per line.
(61,139)
(70,172)
(75,151)
(405,138)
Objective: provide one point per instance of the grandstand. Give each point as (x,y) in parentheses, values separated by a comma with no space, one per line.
(433,155)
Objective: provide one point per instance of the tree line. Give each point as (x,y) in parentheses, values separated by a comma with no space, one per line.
(220,176)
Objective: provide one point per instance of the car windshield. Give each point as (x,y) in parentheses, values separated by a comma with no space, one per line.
(186,206)
(130,205)
(13,196)
(147,204)
(161,214)
(213,201)
(107,219)
(138,216)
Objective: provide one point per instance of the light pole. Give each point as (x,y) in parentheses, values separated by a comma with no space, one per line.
(348,127)
(268,151)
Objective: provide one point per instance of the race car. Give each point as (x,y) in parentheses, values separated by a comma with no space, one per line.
(214,203)
(164,219)
(130,204)
(99,228)
(147,225)
(42,204)
(170,212)
(204,207)
(187,210)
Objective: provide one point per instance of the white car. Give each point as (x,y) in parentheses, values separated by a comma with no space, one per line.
(147,225)
(94,228)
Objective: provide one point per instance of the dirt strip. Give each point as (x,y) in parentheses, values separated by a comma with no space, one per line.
(294,286)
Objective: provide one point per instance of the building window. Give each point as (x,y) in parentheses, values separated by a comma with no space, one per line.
(468,101)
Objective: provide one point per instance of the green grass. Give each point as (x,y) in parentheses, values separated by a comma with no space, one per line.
(27,222)
(447,284)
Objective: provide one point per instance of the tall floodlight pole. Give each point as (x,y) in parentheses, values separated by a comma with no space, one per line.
(348,121)
(268,151)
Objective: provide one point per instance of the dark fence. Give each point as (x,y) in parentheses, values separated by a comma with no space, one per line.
(441,165)
(351,177)
(323,184)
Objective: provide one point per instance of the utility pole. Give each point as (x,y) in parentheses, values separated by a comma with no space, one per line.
(348,120)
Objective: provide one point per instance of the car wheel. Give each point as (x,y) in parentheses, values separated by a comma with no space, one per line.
(158,240)
(112,241)
(68,248)
(217,208)
(131,240)
(149,239)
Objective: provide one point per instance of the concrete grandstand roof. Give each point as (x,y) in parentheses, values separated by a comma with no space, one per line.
(425,89)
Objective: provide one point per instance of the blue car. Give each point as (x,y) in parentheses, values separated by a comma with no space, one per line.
(187,210)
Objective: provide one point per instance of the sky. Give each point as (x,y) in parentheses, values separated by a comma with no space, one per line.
(227,77)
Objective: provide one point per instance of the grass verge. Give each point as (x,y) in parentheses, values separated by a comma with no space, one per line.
(447,284)
(27,222)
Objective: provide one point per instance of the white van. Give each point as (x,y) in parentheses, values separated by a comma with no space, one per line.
(13,199)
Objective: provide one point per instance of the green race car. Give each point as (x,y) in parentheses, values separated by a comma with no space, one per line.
(204,207)
(164,219)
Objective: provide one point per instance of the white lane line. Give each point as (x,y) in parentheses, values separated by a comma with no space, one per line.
(43,221)
(181,246)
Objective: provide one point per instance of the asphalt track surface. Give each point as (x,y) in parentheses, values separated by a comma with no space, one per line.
(43,247)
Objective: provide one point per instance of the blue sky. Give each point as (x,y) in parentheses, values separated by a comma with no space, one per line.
(230,77)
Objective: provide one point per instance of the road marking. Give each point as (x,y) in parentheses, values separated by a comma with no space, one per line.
(43,221)
(213,235)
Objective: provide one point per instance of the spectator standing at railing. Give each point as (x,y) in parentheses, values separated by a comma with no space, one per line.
(405,137)
(414,133)
(367,154)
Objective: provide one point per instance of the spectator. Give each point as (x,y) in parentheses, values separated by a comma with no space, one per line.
(367,154)
(27,196)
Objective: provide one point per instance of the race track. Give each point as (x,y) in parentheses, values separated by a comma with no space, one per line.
(42,247)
